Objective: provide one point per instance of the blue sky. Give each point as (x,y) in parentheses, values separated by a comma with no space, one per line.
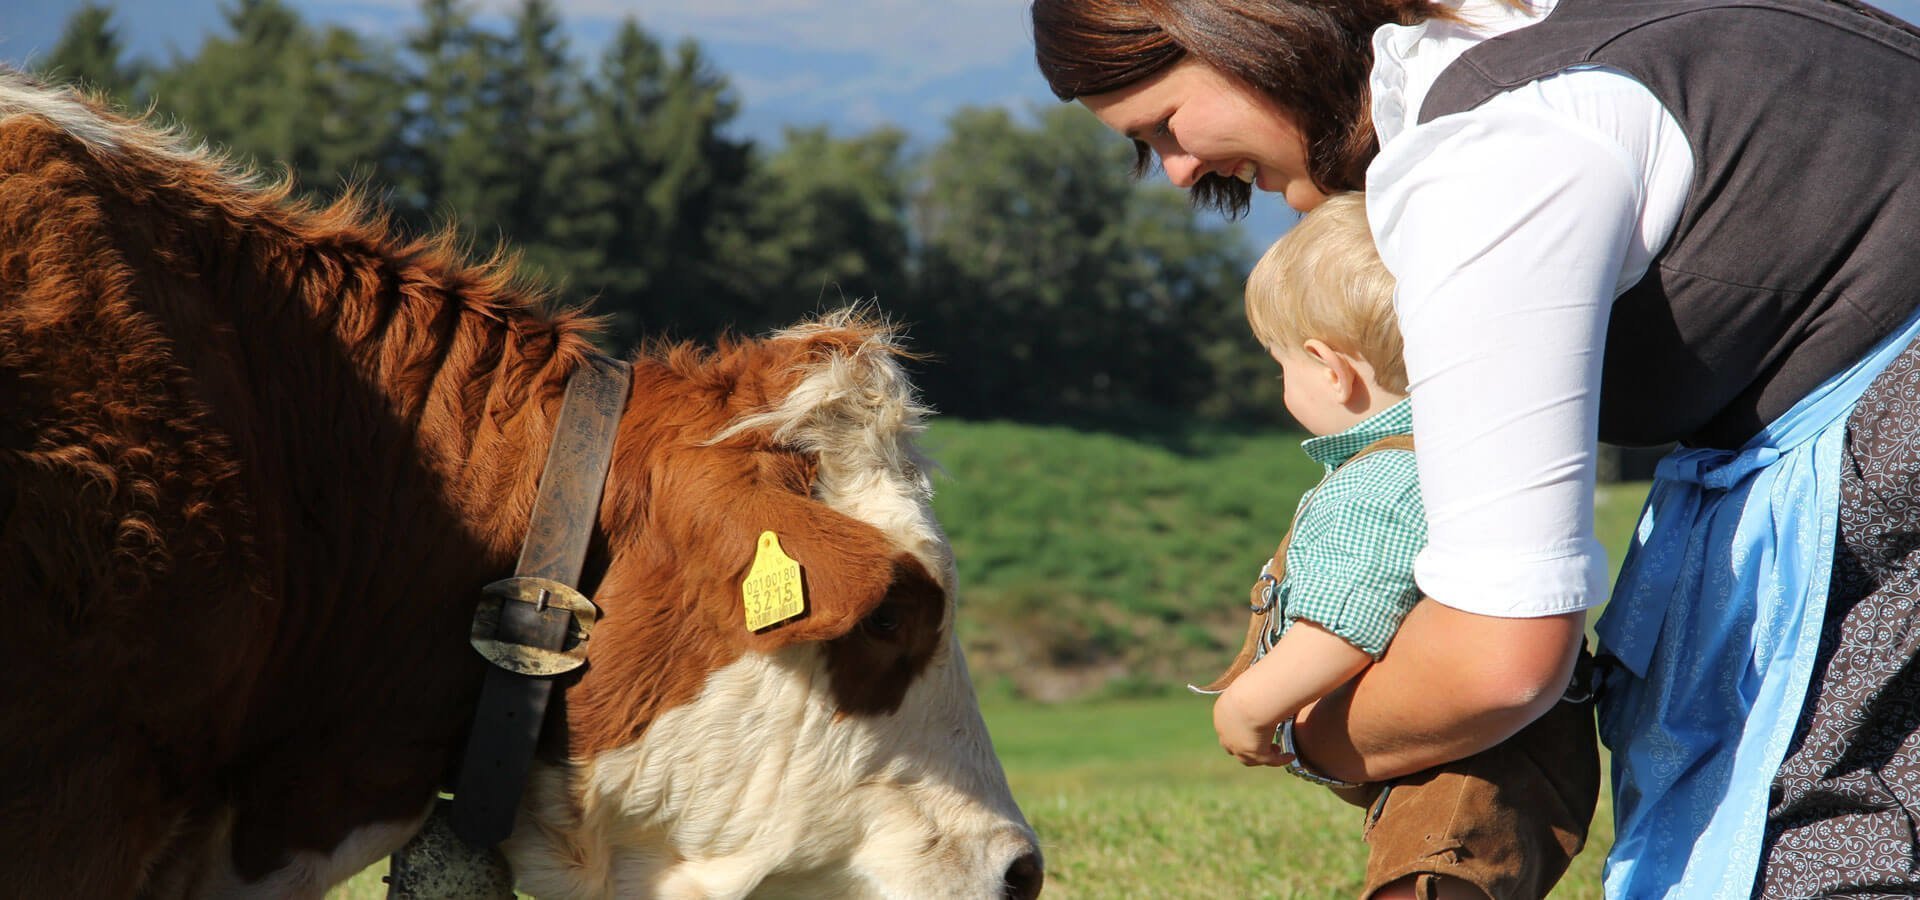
(849,64)
(853,64)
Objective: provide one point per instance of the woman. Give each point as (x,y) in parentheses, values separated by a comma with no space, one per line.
(1641,220)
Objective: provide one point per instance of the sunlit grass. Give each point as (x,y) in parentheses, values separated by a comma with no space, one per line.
(1102,563)
(1132,798)
(1129,556)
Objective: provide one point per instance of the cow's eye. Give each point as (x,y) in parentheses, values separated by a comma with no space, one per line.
(882,622)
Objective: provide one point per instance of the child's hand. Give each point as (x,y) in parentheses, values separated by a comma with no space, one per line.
(1245,734)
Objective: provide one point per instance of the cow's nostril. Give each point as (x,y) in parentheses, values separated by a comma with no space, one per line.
(1023,878)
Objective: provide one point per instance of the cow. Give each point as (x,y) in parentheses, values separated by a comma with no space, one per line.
(258,457)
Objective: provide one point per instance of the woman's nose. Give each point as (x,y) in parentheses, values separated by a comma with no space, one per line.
(1183,169)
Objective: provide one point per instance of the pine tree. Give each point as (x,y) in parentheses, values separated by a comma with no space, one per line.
(538,126)
(1053,286)
(244,91)
(353,107)
(322,105)
(89,54)
(452,170)
(661,185)
(827,225)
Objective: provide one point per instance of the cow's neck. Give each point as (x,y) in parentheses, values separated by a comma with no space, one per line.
(454,403)
(393,421)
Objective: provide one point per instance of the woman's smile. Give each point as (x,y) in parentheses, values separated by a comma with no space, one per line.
(1199,122)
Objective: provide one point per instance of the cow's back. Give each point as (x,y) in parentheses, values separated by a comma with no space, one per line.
(216,655)
(256,461)
(126,561)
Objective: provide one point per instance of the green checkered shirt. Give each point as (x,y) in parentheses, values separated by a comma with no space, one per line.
(1350,566)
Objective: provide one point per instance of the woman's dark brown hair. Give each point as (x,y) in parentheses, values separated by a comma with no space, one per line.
(1309,58)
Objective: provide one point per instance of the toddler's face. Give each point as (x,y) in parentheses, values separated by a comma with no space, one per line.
(1310,391)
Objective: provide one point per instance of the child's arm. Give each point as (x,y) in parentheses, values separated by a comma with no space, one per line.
(1306,664)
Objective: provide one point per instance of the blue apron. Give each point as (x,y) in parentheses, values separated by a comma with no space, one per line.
(1715,622)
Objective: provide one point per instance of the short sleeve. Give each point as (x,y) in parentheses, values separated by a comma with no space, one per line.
(1510,229)
(1350,567)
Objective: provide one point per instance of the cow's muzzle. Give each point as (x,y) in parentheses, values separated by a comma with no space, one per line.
(1024,877)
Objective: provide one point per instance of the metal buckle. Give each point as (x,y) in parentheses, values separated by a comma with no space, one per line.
(1589,676)
(1269,595)
(540,593)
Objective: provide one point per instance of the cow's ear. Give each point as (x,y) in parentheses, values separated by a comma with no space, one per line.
(873,664)
(878,612)
(846,568)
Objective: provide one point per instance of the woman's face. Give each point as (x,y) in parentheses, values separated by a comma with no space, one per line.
(1199,121)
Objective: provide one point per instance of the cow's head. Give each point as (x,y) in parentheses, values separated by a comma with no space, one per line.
(838,754)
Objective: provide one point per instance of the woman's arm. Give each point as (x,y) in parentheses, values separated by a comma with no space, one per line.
(1509,230)
(1453,683)
(1303,666)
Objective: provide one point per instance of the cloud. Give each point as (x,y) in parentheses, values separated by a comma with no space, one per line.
(851,61)
(915,39)
(928,39)
(899,49)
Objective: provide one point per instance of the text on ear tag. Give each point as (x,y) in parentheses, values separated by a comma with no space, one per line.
(772,589)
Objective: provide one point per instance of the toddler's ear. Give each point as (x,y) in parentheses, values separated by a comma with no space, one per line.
(1322,352)
(1343,371)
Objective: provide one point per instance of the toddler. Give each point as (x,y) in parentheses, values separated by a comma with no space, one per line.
(1503,823)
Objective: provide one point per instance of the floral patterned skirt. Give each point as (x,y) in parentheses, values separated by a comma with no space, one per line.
(1844,811)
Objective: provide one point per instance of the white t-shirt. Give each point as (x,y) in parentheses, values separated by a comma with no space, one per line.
(1511,227)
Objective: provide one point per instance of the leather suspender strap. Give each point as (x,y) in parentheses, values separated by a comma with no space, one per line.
(1259,621)
(527,633)
(1263,608)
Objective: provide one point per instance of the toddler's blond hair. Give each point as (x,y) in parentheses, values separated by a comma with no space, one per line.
(1324,279)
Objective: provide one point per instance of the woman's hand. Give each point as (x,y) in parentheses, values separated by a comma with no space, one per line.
(1247,734)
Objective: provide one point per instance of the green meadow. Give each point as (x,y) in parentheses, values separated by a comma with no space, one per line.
(1112,570)
(1131,798)
(1095,564)
(1101,572)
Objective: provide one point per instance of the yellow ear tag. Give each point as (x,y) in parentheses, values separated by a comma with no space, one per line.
(772,589)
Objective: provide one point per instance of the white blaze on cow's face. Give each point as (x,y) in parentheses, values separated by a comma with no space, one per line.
(855,765)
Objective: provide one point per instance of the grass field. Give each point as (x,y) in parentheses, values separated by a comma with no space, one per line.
(1112,569)
(1131,798)
(1100,564)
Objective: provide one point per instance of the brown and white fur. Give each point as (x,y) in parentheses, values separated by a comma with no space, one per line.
(256,459)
